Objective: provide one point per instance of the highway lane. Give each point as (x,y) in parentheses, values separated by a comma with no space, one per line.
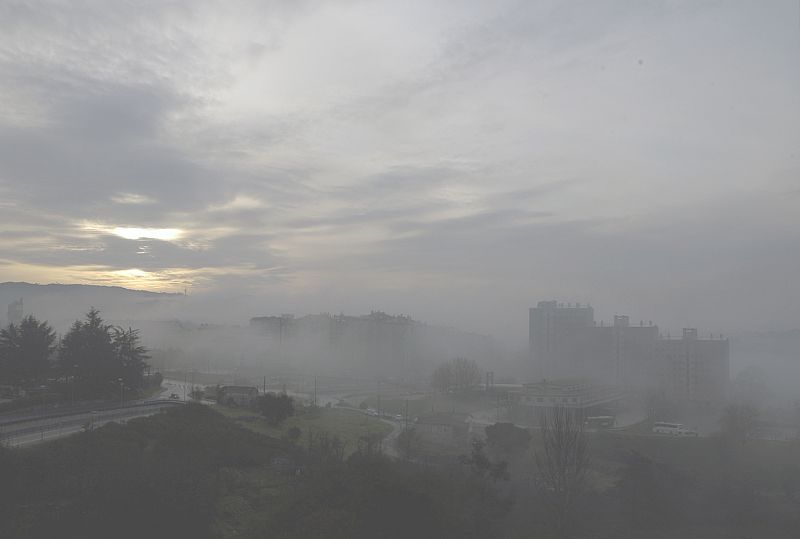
(43,429)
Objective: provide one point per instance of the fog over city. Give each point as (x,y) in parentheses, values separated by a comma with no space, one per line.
(449,160)
(417,239)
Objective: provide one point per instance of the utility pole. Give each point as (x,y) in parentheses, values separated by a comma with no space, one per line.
(315,392)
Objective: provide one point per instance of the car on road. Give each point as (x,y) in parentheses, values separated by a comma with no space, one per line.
(399,417)
(174,397)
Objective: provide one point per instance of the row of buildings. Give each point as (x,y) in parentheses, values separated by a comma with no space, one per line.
(372,344)
(567,342)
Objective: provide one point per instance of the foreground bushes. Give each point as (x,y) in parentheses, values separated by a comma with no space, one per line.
(191,472)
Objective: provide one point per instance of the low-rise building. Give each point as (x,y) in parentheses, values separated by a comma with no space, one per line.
(532,401)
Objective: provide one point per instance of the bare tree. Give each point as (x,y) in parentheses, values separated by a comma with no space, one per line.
(459,373)
(443,377)
(466,373)
(562,465)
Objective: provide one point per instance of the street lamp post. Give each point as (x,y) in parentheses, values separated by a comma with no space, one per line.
(72,387)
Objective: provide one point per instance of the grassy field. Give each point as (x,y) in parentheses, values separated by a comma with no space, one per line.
(349,425)
(419,406)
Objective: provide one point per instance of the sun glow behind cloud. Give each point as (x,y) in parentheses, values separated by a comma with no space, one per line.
(362,149)
(133,233)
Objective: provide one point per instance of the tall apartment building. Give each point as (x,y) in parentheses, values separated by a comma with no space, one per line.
(555,332)
(694,370)
(565,341)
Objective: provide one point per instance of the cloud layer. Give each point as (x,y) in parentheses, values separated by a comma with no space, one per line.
(453,160)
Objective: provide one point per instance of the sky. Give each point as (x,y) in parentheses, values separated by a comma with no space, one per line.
(454,161)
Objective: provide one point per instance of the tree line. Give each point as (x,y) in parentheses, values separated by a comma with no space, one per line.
(92,357)
(457,375)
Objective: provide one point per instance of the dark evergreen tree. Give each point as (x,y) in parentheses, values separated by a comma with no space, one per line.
(26,350)
(275,408)
(131,355)
(100,355)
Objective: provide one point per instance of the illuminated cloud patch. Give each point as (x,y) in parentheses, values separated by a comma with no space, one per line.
(133,233)
(431,157)
(131,198)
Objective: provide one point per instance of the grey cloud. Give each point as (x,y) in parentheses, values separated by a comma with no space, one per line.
(149,255)
(584,173)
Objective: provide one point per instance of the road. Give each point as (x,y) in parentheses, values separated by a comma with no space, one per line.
(168,387)
(38,429)
(389,442)
(36,426)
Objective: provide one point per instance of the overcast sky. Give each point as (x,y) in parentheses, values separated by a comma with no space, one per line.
(455,161)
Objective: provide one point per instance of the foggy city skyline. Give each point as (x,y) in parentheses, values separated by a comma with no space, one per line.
(455,162)
(364,269)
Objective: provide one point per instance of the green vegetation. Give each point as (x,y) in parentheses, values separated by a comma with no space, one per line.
(420,406)
(102,357)
(192,472)
(25,351)
(159,475)
(275,407)
(92,360)
(653,487)
(200,471)
(351,427)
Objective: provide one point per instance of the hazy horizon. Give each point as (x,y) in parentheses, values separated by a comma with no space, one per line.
(456,162)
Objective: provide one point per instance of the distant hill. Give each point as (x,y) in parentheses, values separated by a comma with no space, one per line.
(63,303)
